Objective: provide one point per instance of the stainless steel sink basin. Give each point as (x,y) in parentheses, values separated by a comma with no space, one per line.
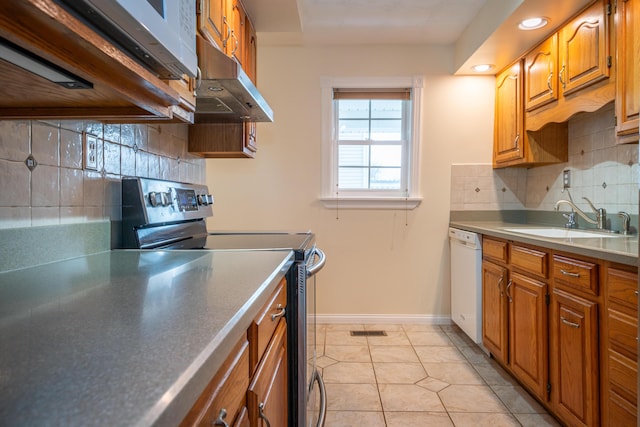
(562,233)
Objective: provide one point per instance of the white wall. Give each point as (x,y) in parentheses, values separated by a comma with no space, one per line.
(380,262)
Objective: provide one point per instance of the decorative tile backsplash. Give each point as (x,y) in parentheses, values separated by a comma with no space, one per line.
(60,190)
(606,173)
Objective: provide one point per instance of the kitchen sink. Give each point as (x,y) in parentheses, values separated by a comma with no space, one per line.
(563,233)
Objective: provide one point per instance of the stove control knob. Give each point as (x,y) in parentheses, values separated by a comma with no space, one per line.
(202,199)
(209,199)
(153,199)
(166,199)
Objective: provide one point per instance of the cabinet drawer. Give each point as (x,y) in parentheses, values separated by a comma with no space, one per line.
(263,326)
(620,412)
(623,330)
(226,393)
(269,385)
(494,249)
(530,260)
(623,375)
(622,288)
(577,274)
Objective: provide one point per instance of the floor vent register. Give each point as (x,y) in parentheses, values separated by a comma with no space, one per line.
(368,333)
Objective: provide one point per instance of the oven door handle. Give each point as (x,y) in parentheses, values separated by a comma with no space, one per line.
(323,399)
(311,271)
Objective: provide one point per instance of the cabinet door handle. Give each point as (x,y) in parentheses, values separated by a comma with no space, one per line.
(508,286)
(568,323)
(500,281)
(516,141)
(220,421)
(226,24)
(262,415)
(279,314)
(235,46)
(549,83)
(560,76)
(569,273)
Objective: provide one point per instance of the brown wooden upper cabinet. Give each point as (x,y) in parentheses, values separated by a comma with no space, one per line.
(572,71)
(509,125)
(541,71)
(585,57)
(226,24)
(628,52)
(213,21)
(121,88)
(513,144)
(560,69)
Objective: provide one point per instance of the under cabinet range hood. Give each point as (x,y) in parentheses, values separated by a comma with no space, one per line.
(225,94)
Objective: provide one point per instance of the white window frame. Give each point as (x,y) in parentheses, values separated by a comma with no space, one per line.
(369,199)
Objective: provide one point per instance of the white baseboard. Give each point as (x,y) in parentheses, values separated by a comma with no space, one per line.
(402,319)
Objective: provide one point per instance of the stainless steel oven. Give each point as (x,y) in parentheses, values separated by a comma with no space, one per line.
(159,214)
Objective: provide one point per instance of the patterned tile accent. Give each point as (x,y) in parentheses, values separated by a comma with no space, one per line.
(606,173)
(60,191)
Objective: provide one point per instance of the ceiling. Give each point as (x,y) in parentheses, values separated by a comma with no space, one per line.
(480,31)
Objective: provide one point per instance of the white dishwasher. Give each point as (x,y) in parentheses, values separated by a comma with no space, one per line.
(466,282)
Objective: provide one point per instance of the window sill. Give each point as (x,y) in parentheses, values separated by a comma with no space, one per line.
(371,202)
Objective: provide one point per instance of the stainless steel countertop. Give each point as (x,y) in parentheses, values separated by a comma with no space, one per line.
(124,337)
(623,249)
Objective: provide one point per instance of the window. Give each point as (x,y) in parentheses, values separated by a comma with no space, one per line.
(370,139)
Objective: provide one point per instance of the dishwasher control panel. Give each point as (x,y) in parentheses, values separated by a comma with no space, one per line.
(467,237)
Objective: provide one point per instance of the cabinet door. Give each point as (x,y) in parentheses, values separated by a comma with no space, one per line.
(236,48)
(213,21)
(222,140)
(574,359)
(267,393)
(509,126)
(494,310)
(541,74)
(628,78)
(528,332)
(251,51)
(584,48)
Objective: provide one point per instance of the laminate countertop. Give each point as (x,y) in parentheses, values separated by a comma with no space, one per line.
(620,249)
(124,337)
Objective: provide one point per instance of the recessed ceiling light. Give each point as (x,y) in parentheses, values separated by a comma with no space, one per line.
(533,23)
(481,68)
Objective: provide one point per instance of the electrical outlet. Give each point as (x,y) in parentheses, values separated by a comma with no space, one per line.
(566,179)
(90,151)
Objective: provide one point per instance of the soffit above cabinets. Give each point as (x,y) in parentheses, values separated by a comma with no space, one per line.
(479,31)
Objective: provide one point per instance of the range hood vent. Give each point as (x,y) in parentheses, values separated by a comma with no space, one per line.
(225,93)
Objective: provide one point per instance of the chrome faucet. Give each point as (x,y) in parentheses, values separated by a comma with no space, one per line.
(601,214)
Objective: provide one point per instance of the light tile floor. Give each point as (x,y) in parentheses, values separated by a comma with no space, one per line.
(418,375)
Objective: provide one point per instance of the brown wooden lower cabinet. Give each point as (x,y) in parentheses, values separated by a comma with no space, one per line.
(225,396)
(267,394)
(574,359)
(494,310)
(528,332)
(620,351)
(252,383)
(566,327)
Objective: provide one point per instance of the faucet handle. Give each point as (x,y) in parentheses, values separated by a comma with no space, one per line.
(571,219)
